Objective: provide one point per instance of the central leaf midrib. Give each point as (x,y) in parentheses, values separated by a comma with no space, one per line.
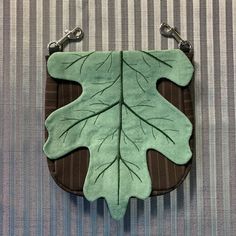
(121,101)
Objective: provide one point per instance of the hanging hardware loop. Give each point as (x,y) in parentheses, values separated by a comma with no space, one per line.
(75,34)
(170,32)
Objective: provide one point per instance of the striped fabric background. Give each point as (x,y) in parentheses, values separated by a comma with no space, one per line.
(30,201)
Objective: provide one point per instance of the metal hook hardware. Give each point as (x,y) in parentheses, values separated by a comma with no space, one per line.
(171,32)
(75,34)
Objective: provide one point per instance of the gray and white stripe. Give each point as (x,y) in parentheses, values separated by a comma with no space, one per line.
(30,201)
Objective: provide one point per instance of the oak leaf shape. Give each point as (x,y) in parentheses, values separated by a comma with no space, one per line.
(118,117)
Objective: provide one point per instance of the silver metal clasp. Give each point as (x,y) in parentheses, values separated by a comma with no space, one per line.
(75,34)
(171,32)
